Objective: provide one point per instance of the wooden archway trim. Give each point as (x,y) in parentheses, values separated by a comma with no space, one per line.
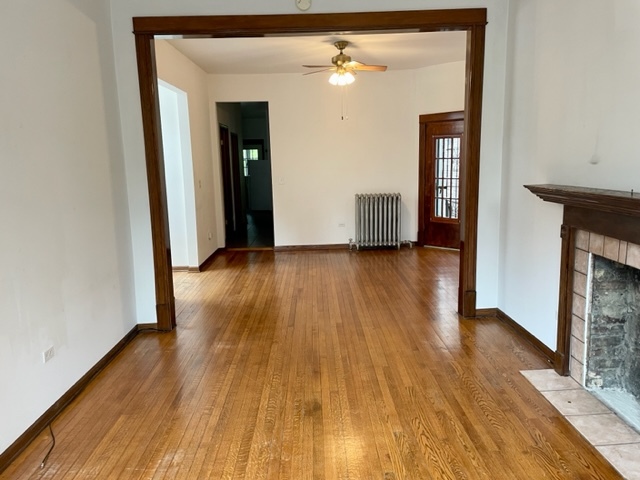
(163,273)
(471,20)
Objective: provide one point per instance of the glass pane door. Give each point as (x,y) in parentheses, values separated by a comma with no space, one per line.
(447,177)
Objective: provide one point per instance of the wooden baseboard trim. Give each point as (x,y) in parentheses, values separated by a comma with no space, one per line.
(249,249)
(526,335)
(437,248)
(147,326)
(305,248)
(203,266)
(207,263)
(486,312)
(16,448)
(469,304)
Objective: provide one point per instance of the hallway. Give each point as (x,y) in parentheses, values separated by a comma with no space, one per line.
(258,232)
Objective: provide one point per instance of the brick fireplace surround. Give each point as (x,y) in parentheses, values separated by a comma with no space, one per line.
(587,243)
(602,222)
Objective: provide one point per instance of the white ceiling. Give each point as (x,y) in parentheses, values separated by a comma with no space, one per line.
(399,51)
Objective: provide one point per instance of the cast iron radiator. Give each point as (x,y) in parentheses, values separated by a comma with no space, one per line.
(377,220)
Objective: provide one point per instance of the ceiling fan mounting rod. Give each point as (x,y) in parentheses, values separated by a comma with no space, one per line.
(341,45)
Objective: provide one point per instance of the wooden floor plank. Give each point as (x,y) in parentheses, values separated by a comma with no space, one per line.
(317,365)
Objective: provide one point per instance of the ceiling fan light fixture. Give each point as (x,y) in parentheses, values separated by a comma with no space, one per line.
(341,79)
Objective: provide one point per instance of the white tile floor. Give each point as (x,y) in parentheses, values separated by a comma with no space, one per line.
(613,438)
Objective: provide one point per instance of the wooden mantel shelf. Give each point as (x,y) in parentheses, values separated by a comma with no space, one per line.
(611,201)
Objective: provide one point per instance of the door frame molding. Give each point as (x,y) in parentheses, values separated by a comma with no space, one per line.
(227,180)
(425,120)
(472,20)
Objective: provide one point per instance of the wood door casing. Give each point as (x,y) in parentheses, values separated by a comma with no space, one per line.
(239,215)
(225,161)
(473,21)
(439,226)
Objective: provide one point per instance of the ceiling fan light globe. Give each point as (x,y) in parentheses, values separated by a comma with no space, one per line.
(349,78)
(341,79)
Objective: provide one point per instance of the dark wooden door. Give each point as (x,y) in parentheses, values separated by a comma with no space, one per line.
(227,184)
(237,170)
(441,165)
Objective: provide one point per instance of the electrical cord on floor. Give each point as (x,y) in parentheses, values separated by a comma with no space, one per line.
(53,444)
(53,437)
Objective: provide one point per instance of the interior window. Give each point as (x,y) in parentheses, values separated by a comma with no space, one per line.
(249,154)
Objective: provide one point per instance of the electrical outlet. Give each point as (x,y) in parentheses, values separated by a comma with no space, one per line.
(48,354)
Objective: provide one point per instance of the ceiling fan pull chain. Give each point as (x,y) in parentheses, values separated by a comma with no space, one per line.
(345,103)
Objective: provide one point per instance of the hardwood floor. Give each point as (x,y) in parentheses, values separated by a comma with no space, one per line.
(318,365)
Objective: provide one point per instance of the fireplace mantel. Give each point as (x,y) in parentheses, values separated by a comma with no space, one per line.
(612,201)
(610,213)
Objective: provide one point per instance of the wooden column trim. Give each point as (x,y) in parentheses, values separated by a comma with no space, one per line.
(258,25)
(422,152)
(147,76)
(565,301)
(471,177)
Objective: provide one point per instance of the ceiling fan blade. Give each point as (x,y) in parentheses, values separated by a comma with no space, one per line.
(317,66)
(364,67)
(319,71)
(372,68)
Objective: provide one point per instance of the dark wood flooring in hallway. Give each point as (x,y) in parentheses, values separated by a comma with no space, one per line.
(318,365)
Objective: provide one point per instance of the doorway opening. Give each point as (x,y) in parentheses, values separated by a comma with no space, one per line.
(245,155)
(178,176)
(472,21)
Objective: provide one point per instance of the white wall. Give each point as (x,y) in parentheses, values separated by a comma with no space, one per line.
(178,170)
(176,69)
(65,251)
(493,111)
(572,118)
(229,115)
(440,88)
(319,161)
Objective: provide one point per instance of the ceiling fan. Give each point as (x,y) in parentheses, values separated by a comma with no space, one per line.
(343,67)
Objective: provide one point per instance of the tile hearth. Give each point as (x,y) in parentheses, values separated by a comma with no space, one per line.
(614,439)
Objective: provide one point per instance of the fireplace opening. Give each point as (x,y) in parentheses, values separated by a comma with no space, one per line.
(613,337)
